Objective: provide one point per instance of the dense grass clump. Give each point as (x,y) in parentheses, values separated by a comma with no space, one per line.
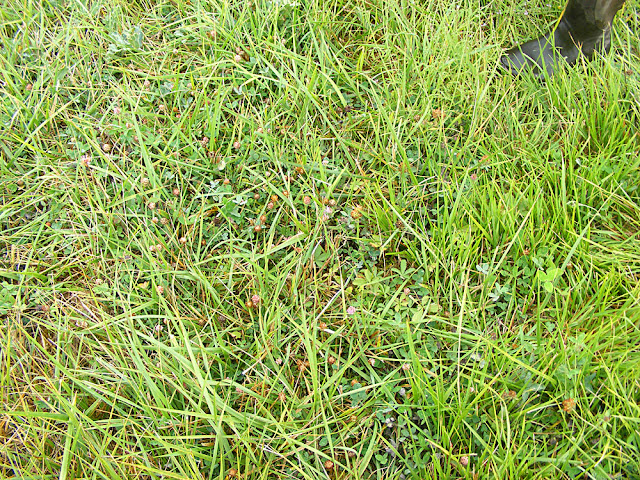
(314,239)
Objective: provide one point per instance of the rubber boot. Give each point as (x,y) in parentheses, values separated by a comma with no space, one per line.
(584,29)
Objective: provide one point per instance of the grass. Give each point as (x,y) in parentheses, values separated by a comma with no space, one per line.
(325,239)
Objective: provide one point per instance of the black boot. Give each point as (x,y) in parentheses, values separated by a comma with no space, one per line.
(585,28)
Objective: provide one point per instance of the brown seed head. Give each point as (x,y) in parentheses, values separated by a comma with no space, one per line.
(510,395)
(569,405)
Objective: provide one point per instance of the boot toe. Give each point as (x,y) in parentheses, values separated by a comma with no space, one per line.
(516,62)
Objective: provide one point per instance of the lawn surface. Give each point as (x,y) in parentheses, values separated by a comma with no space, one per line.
(314,239)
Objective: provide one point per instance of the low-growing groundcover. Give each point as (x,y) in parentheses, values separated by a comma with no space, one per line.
(314,239)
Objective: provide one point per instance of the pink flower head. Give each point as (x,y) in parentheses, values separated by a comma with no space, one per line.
(351,310)
(255,299)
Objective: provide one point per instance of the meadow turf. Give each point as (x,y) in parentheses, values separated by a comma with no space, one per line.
(314,239)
